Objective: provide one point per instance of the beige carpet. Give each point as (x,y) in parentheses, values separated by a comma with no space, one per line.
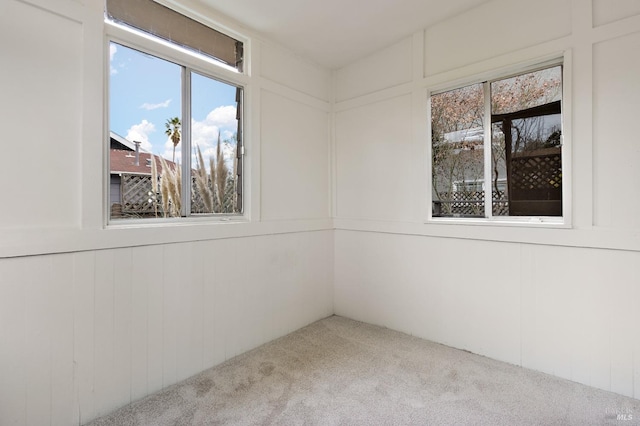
(343,372)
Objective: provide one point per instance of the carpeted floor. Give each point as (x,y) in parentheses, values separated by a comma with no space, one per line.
(343,372)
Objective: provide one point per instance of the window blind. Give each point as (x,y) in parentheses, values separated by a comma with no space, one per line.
(160,21)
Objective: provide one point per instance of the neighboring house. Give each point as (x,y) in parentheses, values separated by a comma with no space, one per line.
(125,162)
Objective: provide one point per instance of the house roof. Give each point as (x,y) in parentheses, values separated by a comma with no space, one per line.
(122,158)
(119,142)
(124,161)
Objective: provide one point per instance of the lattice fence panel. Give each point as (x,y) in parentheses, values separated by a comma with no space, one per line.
(471,203)
(536,172)
(135,195)
(135,198)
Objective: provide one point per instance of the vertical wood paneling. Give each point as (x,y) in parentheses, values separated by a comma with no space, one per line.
(142,264)
(83,331)
(13,369)
(210,347)
(255,267)
(635,297)
(173,263)
(197,306)
(182,289)
(254,261)
(155,318)
(107,397)
(240,295)
(227,275)
(586,293)
(189,320)
(62,321)
(280,285)
(570,312)
(623,328)
(219,254)
(40,296)
(122,323)
(269,268)
(554,309)
(600,337)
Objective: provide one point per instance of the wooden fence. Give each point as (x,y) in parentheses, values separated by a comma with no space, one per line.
(469,204)
(138,200)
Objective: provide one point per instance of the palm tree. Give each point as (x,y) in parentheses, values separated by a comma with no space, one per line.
(173,131)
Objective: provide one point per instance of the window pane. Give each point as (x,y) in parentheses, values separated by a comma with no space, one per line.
(526,144)
(457,138)
(214,144)
(144,114)
(526,91)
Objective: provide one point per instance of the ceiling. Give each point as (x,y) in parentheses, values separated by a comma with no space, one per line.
(334,33)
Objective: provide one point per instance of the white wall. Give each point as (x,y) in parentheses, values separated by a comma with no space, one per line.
(562,301)
(93,317)
(85,333)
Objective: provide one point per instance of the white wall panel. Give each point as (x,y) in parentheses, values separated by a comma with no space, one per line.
(565,311)
(61,320)
(13,300)
(386,68)
(174,261)
(295,159)
(106,392)
(495,28)
(579,317)
(616,109)
(141,265)
(433,288)
(155,324)
(37,356)
(41,115)
(84,334)
(374,161)
(122,330)
(607,11)
(550,314)
(88,332)
(297,73)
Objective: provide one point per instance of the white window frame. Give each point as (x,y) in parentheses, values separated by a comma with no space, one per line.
(192,62)
(486,78)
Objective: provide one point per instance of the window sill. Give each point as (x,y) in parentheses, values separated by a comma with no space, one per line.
(534,222)
(176,221)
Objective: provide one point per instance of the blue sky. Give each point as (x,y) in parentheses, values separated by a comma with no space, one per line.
(145,92)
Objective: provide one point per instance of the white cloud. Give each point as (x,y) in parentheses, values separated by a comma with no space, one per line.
(204,135)
(150,107)
(224,116)
(140,132)
(112,52)
(221,120)
(228,153)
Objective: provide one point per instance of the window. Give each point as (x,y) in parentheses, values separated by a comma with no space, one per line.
(176,139)
(499,140)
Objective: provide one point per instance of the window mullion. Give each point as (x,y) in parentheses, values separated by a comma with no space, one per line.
(488,195)
(186,142)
